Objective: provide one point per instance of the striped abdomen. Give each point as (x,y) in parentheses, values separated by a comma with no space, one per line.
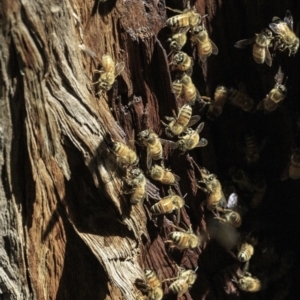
(245,252)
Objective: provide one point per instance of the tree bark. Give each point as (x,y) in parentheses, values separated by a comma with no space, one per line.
(67,228)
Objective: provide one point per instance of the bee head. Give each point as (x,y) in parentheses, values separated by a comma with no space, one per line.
(135,172)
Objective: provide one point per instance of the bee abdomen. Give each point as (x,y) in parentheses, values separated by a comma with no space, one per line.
(245,253)
(259,54)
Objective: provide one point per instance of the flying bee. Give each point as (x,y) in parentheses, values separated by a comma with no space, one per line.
(138,182)
(178,40)
(167,204)
(183,62)
(205,46)
(124,154)
(183,239)
(285,37)
(186,18)
(275,96)
(163,175)
(230,217)
(189,91)
(215,200)
(245,252)
(152,286)
(240,99)
(154,146)
(216,106)
(184,281)
(262,42)
(191,139)
(178,124)
(108,72)
(293,169)
(248,283)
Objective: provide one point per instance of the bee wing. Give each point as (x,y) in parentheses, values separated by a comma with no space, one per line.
(203,58)
(177,178)
(288,19)
(171,144)
(200,127)
(243,43)
(278,28)
(268,58)
(149,159)
(215,49)
(119,68)
(202,143)
(193,120)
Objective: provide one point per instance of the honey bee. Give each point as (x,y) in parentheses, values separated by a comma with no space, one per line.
(248,283)
(108,72)
(285,36)
(183,121)
(216,106)
(152,286)
(183,62)
(183,239)
(167,204)
(262,42)
(259,193)
(191,139)
(184,281)
(205,46)
(245,252)
(163,175)
(178,40)
(186,18)
(230,217)
(275,96)
(215,199)
(124,154)
(177,87)
(240,99)
(189,91)
(154,146)
(138,181)
(293,169)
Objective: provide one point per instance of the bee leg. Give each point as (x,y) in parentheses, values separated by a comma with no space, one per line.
(178,217)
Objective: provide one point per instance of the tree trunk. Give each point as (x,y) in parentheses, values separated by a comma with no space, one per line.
(68,230)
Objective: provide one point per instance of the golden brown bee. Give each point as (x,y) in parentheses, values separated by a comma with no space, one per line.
(205,46)
(216,106)
(167,204)
(184,281)
(189,91)
(260,50)
(275,96)
(215,199)
(183,62)
(178,40)
(138,182)
(230,217)
(240,99)
(186,18)
(180,123)
(124,154)
(191,139)
(293,169)
(285,37)
(183,239)
(152,286)
(245,251)
(108,72)
(177,87)
(154,146)
(163,175)
(248,283)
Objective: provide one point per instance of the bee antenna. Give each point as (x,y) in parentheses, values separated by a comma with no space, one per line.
(184,195)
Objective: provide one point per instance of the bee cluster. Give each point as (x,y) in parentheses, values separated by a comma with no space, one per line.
(222,200)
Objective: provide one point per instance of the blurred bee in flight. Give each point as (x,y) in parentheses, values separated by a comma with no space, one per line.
(260,51)
(293,169)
